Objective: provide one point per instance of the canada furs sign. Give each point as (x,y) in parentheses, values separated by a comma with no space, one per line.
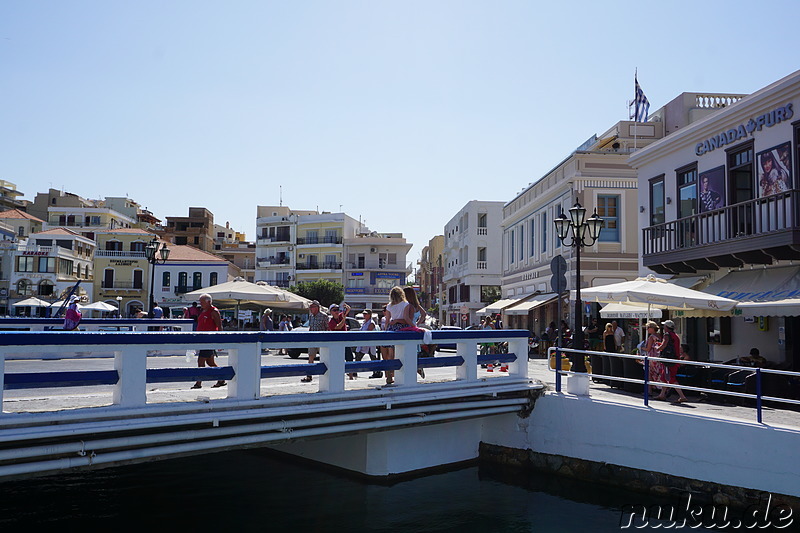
(769,119)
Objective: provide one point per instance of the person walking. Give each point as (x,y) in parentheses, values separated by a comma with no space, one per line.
(609,342)
(619,337)
(670,348)
(361,351)
(208,320)
(317,321)
(656,372)
(284,325)
(266,320)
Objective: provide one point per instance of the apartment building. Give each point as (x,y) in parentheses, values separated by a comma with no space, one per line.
(122,268)
(9,197)
(472,261)
(376,262)
(430,273)
(195,230)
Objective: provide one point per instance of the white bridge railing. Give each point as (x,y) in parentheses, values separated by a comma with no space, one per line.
(244,371)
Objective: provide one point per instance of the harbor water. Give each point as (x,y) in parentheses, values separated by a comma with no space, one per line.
(257,491)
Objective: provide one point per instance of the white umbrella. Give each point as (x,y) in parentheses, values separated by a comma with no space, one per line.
(240,290)
(31,302)
(656,292)
(99,306)
(616,310)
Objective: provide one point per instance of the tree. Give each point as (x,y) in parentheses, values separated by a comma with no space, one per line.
(324,291)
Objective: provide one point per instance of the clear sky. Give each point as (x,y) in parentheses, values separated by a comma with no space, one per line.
(398,112)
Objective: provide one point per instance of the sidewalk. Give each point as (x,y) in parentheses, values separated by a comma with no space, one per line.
(697,405)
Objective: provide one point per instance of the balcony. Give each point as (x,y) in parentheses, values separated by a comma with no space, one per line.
(269,261)
(183,289)
(273,240)
(483,231)
(757,231)
(118,253)
(121,285)
(319,240)
(319,266)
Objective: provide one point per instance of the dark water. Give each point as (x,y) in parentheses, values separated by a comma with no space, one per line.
(256,491)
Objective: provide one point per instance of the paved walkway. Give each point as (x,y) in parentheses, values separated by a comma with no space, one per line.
(54,399)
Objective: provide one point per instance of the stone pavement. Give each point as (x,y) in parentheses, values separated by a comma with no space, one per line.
(55,399)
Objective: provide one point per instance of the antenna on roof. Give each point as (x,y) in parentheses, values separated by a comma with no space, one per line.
(280,199)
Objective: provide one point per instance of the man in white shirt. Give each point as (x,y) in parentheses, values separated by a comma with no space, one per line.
(619,335)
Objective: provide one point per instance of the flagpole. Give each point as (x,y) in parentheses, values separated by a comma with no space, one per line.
(635,108)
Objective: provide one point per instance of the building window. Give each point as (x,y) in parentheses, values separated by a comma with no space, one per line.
(608,210)
(490,293)
(26,264)
(657,206)
(544,232)
(521,243)
(741,187)
(212,278)
(47,265)
(138,279)
(165,279)
(183,280)
(24,287)
(686,179)
(46,288)
(137,246)
(197,280)
(511,255)
(533,238)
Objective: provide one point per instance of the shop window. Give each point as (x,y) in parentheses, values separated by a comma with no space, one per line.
(687,191)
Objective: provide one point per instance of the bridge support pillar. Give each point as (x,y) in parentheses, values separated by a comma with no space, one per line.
(406,352)
(469,370)
(246,362)
(520,366)
(130,362)
(333,379)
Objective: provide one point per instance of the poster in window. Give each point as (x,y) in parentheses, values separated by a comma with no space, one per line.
(775,170)
(712,189)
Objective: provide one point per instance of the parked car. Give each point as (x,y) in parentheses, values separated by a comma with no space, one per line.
(294,353)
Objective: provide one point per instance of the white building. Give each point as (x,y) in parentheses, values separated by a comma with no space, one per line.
(376,262)
(50,264)
(718,205)
(473,264)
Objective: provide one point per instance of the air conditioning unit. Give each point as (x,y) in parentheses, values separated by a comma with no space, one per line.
(373,250)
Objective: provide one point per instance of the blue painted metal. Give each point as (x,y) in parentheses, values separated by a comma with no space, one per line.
(646,380)
(77,378)
(171,375)
(440,362)
(497,357)
(282,371)
(373,366)
(557,364)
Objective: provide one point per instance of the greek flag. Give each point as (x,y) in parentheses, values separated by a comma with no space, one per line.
(640,103)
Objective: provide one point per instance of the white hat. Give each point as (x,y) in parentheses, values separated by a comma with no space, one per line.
(669,324)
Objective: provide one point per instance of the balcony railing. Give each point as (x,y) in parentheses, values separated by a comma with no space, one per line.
(274,260)
(726,230)
(121,285)
(282,283)
(319,240)
(319,266)
(483,231)
(118,253)
(183,289)
(271,240)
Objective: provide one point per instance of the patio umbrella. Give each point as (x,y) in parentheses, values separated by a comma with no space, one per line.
(31,302)
(656,292)
(99,306)
(237,291)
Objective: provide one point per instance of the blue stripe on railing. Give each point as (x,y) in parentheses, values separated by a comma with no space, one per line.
(440,362)
(279,371)
(497,357)
(75,378)
(98,321)
(170,375)
(373,366)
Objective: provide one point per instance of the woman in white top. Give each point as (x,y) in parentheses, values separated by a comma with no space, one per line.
(400,315)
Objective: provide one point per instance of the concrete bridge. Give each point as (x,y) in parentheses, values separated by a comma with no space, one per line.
(374,430)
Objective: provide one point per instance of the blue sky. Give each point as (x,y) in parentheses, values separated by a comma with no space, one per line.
(395,112)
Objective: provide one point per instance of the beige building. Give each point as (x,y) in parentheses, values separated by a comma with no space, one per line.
(596,175)
(376,262)
(22,223)
(122,269)
(9,196)
(196,230)
(430,272)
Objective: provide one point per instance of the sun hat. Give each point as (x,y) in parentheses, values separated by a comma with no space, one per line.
(333,307)
(313,302)
(669,323)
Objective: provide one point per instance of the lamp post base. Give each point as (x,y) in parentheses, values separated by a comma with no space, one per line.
(578,384)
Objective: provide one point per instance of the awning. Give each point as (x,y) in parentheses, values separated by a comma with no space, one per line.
(497,306)
(688,282)
(761,292)
(619,310)
(523,308)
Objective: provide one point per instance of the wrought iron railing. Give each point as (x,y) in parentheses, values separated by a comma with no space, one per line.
(760,216)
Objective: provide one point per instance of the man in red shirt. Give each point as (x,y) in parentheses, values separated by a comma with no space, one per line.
(208,320)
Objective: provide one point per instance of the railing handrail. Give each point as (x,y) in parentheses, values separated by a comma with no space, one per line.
(758,371)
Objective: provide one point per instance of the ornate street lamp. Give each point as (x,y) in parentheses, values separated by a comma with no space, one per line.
(581,232)
(157,253)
